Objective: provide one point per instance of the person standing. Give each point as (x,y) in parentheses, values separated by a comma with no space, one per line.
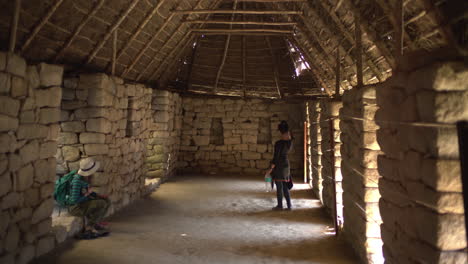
(279,168)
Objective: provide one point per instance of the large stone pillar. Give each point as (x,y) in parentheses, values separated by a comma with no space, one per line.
(359,153)
(315,148)
(331,157)
(422,202)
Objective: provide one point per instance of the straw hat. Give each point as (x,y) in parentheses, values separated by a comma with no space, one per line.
(88,166)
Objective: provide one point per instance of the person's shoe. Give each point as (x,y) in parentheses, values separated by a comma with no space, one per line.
(87,235)
(288,209)
(277,208)
(100,227)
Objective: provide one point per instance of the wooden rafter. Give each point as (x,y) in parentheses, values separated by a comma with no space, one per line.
(275,67)
(177,48)
(240,22)
(399,25)
(111,30)
(41,23)
(270,1)
(114,52)
(251,12)
(140,28)
(358,36)
(254,30)
(14,25)
(192,61)
(390,13)
(350,38)
(226,49)
(148,44)
(78,29)
(370,32)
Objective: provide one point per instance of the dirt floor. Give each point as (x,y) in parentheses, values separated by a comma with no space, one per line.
(213,219)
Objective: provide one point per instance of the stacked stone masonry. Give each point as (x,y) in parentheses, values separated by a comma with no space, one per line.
(332,193)
(237,136)
(359,153)
(110,121)
(422,202)
(29,115)
(315,148)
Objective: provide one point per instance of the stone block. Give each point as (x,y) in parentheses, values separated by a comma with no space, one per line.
(49,115)
(96,149)
(201,140)
(47,190)
(86,138)
(12,238)
(45,170)
(74,126)
(8,123)
(24,178)
(29,152)
(32,131)
(246,155)
(442,107)
(50,75)
(28,117)
(249,139)
(16,65)
(442,175)
(26,254)
(32,76)
(100,125)
(70,153)
(43,211)
(50,97)
(6,185)
(68,138)
(448,76)
(101,98)
(9,106)
(232,140)
(11,200)
(7,143)
(5,83)
(45,245)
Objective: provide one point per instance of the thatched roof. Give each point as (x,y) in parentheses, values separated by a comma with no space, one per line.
(229,47)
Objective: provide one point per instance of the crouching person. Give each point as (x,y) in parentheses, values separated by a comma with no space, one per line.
(82,201)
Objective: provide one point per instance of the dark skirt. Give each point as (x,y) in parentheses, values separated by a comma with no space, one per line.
(281,173)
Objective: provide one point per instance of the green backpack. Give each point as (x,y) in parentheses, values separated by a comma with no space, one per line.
(62,188)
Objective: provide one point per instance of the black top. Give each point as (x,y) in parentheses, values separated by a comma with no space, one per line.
(280,159)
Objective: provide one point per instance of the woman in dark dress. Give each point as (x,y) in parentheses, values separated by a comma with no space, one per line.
(280,170)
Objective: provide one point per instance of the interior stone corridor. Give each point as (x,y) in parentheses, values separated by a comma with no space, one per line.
(213,219)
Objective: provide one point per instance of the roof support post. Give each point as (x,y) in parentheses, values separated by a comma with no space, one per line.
(358,36)
(14,25)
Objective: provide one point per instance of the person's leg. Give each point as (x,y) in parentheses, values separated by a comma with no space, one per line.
(279,193)
(96,211)
(287,196)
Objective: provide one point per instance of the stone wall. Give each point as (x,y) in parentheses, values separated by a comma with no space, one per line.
(29,116)
(163,147)
(359,153)
(237,136)
(106,119)
(331,156)
(422,202)
(315,148)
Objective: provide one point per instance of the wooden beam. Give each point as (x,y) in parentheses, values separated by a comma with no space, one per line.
(114,52)
(14,25)
(338,72)
(252,12)
(140,28)
(372,35)
(275,67)
(111,30)
(226,49)
(394,17)
(240,22)
(78,29)
(230,31)
(296,83)
(148,44)
(399,28)
(41,23)
(270,1)
(242,33)
(345,32)
(358,49)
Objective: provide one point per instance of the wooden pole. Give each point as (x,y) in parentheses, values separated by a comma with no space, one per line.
(240,22)
(251,12)
(338,72)
(41,23)
(114,52)
(14,25)
(358,36)
(275,67)
(229,31)
(399,30)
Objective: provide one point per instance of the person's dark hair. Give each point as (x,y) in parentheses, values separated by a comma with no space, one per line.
(283,127)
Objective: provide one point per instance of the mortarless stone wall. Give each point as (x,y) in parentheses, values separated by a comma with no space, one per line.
(422,202)
(331,156)
(315,148)
(29,116)
(237,136)
(359,153)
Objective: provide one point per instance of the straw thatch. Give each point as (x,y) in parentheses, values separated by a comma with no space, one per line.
(248,48)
